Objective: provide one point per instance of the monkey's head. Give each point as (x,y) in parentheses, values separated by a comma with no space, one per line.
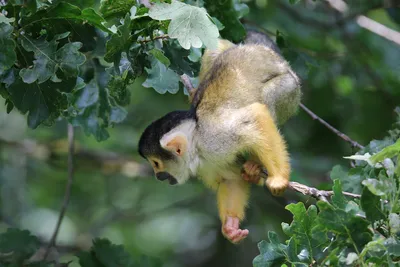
(167,144)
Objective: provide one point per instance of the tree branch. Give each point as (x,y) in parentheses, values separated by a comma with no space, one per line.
(310,191)
(71,149)
(106,161)
(367,23)
(330,127)
(185,79)
(164,36)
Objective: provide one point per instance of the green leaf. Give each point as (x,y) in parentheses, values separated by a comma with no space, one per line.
(48,60)
(4,19)
(119,41)
(82,4)
(43,101)
(116,8)
(191,25)
(7,44)
(388,152)
(350,181)
(159,55)
(301,230)
(111,255)
(88,96)
(63,11)
(271,253)
(338,199)
(394,223)
(393,246)
(217,23)
(371,205)
(91,124)
(178,58)
(228,12)
(20,243)
(195,54)
(70,58)
(292,2)
(161,78)
(93,107)
(378,187)
(350,229)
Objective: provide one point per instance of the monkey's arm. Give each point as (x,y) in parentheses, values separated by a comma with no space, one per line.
(232,199)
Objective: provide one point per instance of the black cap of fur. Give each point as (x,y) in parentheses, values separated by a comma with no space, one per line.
(149,143)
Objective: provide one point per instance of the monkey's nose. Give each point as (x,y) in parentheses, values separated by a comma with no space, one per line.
(162,176)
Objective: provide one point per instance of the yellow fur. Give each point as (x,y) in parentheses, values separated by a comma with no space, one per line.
(234,77)
(232,197)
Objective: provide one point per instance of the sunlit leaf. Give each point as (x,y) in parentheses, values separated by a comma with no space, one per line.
(191,25)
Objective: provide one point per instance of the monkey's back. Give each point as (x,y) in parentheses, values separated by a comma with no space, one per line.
(239,76)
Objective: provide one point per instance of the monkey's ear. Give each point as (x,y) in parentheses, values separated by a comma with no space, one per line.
(176,143)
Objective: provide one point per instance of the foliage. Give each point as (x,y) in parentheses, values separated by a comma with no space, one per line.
(80,61)
(354,232)
(19,246)
(70,60)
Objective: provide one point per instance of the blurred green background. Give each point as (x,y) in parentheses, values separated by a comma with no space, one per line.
(351,78)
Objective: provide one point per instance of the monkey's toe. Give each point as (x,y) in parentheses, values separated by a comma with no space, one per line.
(232,232)
(277,185)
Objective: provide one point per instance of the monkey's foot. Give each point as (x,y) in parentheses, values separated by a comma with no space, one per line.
(251,172)
(231,230)
(277,185)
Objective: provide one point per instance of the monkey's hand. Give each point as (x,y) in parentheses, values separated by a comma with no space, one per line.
(231,230)
(251,172)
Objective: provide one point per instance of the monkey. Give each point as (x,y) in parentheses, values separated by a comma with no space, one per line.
(245,92)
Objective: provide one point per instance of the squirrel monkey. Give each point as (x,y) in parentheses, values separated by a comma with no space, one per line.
(245,92)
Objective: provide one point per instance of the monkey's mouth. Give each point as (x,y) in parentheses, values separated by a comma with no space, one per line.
(162,176)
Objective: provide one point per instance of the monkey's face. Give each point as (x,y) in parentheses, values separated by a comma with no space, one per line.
(175,170)
(167,144)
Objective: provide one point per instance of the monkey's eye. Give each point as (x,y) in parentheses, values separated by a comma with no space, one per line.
(156,164)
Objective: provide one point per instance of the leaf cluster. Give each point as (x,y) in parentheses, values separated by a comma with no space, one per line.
(76,59)
(346,232)
(20,248)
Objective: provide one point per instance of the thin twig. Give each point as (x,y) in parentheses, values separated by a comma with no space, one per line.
(165,36)
(367,23)
(185,79)
(67,194)
(330,127)
(310,191)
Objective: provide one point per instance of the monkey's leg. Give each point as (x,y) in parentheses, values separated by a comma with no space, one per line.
(268,146)
(232,200)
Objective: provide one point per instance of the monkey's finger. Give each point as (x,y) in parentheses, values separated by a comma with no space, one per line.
(236,223)
(240,235)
